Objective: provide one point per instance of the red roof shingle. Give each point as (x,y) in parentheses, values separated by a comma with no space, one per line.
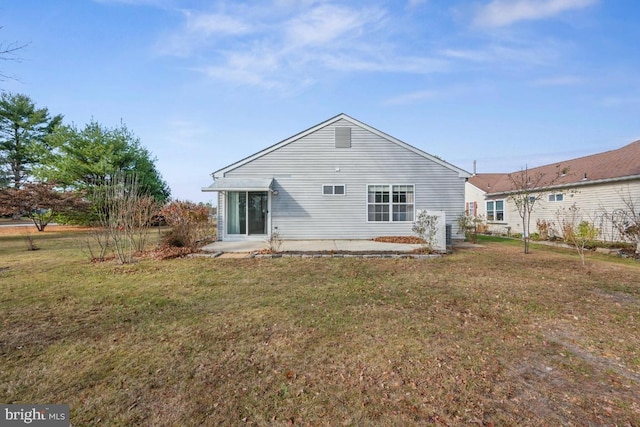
(620,163)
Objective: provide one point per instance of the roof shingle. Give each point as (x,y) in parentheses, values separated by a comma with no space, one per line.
(620,163)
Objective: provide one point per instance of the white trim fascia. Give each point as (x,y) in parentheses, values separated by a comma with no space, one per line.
(206,189)
(240,184)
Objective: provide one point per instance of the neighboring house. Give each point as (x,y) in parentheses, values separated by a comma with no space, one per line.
(599,185)
(340,179)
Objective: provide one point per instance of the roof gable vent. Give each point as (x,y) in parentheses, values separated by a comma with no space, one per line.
(343,137)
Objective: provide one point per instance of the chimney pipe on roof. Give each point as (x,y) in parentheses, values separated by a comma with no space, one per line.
(474,168)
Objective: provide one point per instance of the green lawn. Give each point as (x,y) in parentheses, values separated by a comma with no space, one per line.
(481,337)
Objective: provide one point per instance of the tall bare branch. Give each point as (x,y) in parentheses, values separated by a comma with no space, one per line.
(8,52)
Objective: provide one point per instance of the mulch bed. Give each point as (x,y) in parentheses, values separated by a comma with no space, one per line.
(411,240)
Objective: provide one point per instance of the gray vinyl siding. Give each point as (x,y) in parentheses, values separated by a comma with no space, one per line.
(300,168)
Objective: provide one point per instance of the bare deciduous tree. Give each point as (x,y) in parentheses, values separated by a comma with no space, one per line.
(8,52)
(627,219)
(528,188)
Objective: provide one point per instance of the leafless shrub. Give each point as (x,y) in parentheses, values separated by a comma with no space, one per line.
(576,230)
(31,245)
(189,222)
(426,228)
(97,244)
(546,229)
(471,226)
(123,218)
(275,241)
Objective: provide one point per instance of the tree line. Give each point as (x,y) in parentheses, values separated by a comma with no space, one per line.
(58,164)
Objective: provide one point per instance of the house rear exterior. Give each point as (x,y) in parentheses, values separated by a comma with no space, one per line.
(340,179)
(601,186)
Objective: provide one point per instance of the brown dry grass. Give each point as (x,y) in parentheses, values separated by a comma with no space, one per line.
(31,229)
(481,337)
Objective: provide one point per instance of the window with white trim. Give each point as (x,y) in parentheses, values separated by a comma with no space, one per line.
(556,197)
(390,203)
(472,209)
(495,210)
(334,189)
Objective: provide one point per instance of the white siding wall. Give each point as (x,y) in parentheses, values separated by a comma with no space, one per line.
(474,194)
(299,169)
(595,202)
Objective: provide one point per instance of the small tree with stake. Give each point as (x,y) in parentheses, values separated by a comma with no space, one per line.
(528,189)
(577,231)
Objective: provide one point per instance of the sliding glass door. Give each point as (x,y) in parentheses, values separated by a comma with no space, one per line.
(257,208)
(236,212)
(247,212)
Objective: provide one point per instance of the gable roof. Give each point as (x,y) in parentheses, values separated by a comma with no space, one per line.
(220,172)
(614,165)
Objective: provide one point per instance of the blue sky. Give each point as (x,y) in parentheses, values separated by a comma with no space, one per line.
(508,83)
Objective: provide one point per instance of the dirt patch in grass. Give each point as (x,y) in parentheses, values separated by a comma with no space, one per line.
(484,336)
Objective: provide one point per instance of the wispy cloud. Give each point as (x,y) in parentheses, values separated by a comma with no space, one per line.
(478,55)
(506,53)
(327,23)
(278,44)
(208,24)
(413,97)
(415,3)
(502,13)
(463,91)
(200,30)
(621,101)
(155,3)
(254,68)
(292,43)
(561,81)
(383,63)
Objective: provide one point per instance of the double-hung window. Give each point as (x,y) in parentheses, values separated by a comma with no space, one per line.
(390,203)
(495,210)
